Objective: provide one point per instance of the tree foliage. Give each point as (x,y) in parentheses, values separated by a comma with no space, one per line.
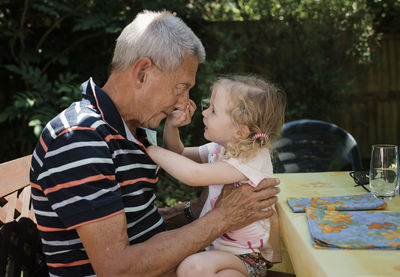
(311,48)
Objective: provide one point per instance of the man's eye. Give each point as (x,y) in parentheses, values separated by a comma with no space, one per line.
(182,86)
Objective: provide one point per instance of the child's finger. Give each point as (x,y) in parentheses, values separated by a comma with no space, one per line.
(186,112)
(192,110)
(192,107)
(183,116)
(177,115)
(192,104)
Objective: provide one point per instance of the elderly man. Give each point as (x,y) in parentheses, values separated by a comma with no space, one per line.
(93,182)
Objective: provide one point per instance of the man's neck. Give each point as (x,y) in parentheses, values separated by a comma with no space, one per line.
(116,89)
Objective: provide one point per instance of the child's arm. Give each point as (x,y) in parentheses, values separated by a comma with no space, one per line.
(193,173)
(171,137)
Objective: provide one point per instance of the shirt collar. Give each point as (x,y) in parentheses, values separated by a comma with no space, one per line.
(109,113)
(103,103)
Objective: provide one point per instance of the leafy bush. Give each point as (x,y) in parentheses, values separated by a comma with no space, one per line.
(310,48)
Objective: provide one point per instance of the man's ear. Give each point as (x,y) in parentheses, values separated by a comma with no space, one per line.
(140,70)
(243,132)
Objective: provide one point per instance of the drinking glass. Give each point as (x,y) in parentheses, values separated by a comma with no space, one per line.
(383,171)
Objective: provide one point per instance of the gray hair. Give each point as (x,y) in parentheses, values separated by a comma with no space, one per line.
(160,36)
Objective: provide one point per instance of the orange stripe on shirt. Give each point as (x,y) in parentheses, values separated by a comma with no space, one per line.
(78,182)
(110,137)
(36,186)
(44,146)
(51,229)
(74,128)
(129,182)
(81,262)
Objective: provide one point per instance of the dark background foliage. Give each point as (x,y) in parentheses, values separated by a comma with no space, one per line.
(313,49)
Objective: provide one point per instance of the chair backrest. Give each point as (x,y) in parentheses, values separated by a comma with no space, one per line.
(20,244)
(315,146)
(15,191)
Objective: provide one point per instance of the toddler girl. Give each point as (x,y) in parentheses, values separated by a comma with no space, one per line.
(245,113)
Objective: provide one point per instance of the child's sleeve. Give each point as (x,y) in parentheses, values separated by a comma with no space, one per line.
(255,169)
(205,150)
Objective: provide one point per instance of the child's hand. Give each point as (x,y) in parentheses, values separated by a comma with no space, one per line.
(180,118)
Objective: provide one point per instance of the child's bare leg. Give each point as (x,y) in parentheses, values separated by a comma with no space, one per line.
(212,263)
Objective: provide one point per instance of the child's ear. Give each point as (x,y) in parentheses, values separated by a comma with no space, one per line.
(243,132)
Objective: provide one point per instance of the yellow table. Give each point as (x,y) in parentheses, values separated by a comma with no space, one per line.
(308,261)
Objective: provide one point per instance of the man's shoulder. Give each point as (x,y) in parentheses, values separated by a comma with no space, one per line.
(77,115)
(75,122)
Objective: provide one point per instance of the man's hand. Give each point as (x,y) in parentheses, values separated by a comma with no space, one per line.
(244,205)
(180,118)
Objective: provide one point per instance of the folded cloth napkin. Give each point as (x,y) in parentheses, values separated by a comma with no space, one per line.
(354,229)
(340,203)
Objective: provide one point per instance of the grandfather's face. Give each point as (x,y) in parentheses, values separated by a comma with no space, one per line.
(166,92)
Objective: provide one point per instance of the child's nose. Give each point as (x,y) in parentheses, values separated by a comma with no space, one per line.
(204,112)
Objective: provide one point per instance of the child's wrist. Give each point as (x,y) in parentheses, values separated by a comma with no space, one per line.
(168,125)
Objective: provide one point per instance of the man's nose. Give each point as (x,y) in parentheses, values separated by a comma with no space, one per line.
(182,101)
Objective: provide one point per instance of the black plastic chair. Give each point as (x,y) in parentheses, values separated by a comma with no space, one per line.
(315,146)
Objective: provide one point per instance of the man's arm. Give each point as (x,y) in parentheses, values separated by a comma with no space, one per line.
(107,245)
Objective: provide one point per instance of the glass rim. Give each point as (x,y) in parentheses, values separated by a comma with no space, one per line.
(385,145)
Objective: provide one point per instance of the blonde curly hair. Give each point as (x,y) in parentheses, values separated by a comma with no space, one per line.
(257,104)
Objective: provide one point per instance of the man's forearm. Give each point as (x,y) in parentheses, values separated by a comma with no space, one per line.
(110,254)
(106,241)
(235,208)
(173,246)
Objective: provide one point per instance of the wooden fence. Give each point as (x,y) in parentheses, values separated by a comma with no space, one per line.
(374,113)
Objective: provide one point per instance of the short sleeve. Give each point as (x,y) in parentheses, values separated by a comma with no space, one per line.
(79,182)
(205,150)
(255,169)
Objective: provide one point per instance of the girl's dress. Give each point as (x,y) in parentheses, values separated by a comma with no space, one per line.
(261,236)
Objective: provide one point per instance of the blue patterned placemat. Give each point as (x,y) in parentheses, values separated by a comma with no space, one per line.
(340,203)
(354,229)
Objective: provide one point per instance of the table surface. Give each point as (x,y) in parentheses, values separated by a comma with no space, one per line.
(308,261)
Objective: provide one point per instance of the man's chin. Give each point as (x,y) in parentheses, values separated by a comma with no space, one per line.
(154,124)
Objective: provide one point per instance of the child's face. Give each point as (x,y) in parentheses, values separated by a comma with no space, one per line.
(219,127)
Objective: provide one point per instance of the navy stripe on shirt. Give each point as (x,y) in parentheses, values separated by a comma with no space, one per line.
(84,169)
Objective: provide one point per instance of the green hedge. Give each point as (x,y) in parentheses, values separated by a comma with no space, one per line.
(312,49)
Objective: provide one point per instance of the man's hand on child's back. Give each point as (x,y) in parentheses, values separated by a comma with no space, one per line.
(246,204)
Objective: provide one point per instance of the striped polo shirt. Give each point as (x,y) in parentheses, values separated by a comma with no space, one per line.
(84,169)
